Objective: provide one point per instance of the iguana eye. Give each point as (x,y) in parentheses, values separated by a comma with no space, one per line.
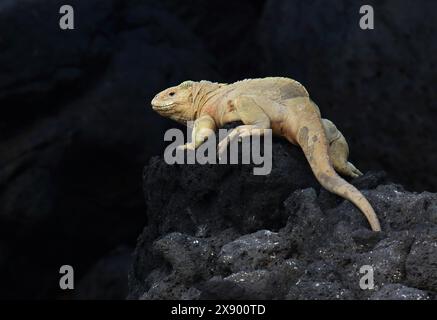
(171,94)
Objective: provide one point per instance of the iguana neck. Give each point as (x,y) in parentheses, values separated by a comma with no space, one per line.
(203,92)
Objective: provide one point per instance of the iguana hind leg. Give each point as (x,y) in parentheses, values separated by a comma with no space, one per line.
(312,138)
(339,151)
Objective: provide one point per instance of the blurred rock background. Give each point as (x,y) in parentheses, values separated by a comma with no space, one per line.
(76,128)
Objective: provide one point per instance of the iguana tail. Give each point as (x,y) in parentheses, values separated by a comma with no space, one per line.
(312,139)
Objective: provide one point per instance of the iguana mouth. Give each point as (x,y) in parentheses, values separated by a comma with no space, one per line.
(161,107)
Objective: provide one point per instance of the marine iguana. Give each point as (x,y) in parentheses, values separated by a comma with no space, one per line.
(280,104)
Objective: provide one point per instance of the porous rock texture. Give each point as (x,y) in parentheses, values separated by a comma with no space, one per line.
(74,127)
(219,232)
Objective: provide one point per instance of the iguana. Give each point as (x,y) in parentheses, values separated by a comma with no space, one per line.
(276,103)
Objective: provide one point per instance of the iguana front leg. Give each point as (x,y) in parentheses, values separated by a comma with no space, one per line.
(203,127)
(252,115)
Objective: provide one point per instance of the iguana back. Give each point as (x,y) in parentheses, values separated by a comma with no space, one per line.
(274,88)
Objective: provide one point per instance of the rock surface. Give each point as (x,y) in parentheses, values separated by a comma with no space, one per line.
(219,232)
(75,130)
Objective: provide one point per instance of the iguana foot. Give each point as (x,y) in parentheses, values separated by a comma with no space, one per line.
(187,146)
(341,165)
(339,151)
(239,132)
(350,170)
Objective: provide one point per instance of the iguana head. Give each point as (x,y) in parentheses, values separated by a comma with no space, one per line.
(175,102)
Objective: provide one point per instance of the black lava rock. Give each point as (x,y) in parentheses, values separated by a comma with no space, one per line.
(75,130)
(219,232)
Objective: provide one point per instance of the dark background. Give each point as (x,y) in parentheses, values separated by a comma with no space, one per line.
(76,128)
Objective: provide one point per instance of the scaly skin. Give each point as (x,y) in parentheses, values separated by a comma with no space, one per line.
(280,104)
